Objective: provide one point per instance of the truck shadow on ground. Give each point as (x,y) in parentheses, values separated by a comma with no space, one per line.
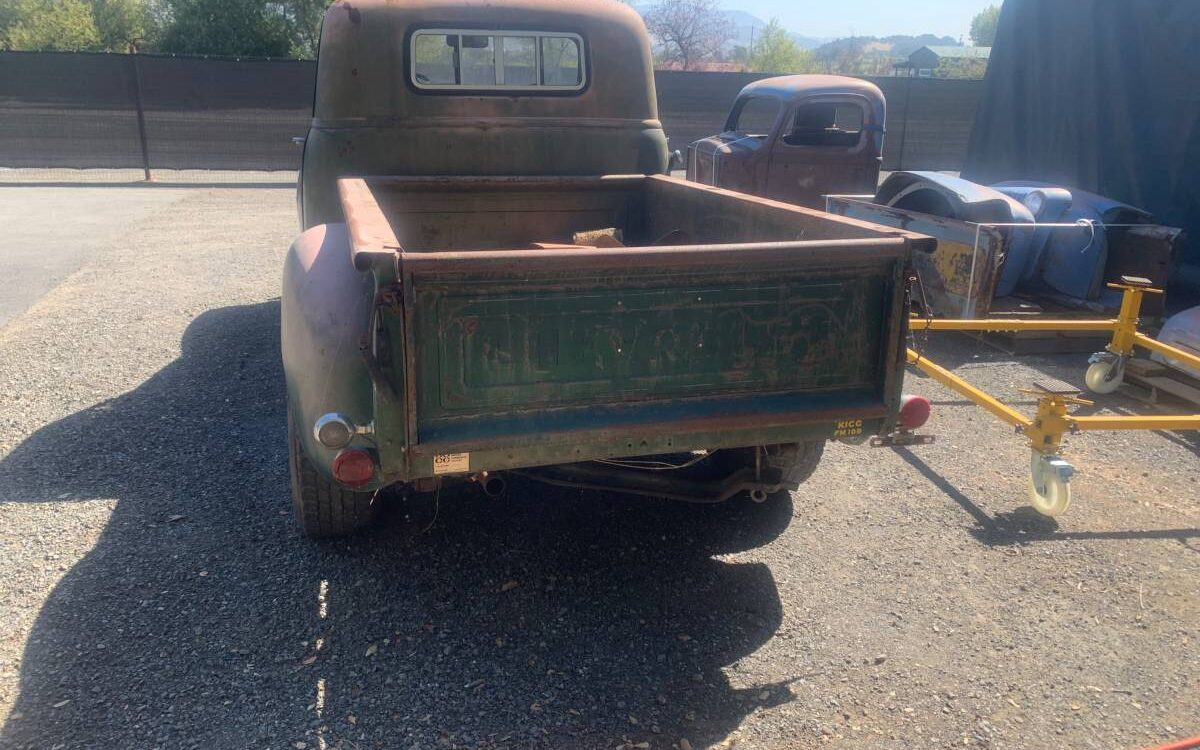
(200,618)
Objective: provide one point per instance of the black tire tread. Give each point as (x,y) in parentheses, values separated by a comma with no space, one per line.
(324,508)
(807,458)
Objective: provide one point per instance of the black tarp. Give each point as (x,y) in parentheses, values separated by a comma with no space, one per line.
(1102,95)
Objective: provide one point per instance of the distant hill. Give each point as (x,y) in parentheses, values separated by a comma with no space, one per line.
(748,26)
(808,42)
(870,55)
(898,45)
(879,51)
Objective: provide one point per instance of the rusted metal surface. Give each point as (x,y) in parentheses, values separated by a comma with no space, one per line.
(815,253)
(369,117)
(419,215)
(371,237)
(1149,251)
(512,352)
(958,279)
(809,151)
(325,310)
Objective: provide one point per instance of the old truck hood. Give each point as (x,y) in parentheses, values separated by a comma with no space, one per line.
(707,156)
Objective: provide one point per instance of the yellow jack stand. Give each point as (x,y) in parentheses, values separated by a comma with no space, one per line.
(1050,474)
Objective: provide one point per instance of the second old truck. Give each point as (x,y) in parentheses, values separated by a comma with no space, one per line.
(496,277)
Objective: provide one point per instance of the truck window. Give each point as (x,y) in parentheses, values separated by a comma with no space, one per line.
(520,60)
(756,116)
(826,124)
(477,60)
(434,59)
(560,61)
(448,59)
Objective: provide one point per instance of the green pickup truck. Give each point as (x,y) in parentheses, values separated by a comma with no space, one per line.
(497,277)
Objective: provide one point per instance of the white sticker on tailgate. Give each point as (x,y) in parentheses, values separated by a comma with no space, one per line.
(449,463)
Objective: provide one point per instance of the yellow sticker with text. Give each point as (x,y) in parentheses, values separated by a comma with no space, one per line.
(848,428)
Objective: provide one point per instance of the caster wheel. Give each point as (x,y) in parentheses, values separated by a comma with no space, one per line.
(1104,376)
(1049,484)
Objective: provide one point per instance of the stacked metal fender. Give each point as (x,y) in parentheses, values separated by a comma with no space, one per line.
(1064,260)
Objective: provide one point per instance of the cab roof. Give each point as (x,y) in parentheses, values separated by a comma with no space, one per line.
(598,9)
(791,88)
(362,70)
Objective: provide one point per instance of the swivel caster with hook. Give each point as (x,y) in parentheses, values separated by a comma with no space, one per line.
(1105,372)
(1049,483)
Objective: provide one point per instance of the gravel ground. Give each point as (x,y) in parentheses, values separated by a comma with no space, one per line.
(155,592)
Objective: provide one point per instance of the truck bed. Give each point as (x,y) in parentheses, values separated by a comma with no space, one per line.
(725,320)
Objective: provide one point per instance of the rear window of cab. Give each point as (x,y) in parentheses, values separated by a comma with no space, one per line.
(476,59)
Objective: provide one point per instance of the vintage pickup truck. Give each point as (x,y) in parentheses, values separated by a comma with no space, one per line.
(796,139)
(497,277)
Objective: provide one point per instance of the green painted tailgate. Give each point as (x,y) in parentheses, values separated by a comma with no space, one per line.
(494,346)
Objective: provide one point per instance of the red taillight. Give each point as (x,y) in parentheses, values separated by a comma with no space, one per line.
(914,412)
(353,467)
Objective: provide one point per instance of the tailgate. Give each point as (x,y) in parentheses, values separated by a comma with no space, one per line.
(637,326)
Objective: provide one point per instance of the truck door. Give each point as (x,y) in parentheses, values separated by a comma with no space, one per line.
(825,146)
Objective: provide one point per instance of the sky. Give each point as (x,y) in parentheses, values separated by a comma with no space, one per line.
(839,18)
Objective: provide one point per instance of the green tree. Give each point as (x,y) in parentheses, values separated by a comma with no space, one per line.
(66,25)
(775,52)
(304,18)
(961,68)
(8,16)
(111,25)
(254,28)
(122,24)
(983,26)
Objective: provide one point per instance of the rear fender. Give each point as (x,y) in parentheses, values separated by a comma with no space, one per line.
(325,310)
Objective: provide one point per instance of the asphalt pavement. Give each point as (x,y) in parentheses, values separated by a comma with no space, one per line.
(47,233)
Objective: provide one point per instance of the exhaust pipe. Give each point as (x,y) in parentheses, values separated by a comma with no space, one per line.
(492,485)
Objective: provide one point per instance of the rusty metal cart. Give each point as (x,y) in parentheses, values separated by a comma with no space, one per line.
(1050,473)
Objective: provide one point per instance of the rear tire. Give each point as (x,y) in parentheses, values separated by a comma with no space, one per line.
(787,465)
(803,463)
(324,508)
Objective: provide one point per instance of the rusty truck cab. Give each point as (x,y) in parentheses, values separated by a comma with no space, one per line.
(466,87)
(795,139)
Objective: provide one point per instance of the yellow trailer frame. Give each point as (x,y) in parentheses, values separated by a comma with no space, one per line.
(1049,484)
